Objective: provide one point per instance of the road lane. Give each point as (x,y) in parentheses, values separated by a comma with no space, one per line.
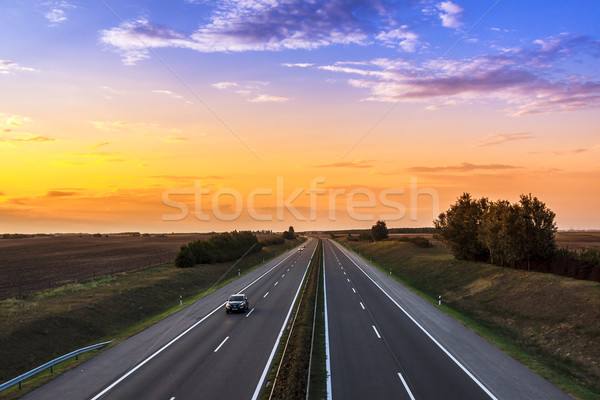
(361,365)
(439,357)
(188,359)
(192,368)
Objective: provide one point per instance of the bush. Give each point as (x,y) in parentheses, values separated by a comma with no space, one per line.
(184,258)
(418,241)
(365,236)
(273,240)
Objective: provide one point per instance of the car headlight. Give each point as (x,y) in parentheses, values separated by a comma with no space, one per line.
(227,305)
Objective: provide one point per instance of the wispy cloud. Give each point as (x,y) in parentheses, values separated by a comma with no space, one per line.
(253,91)
(501,138)
(60,193)
(30,139)
(519,77)
(8,67)
(56,14)
(347,164)
(463,167)
(224,85)
(172,94)
(12,133)
(92,157)
(568,151)
(298,65)
(271,26)
(266,98)
(95,146)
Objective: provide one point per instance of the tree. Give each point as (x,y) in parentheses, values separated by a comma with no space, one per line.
(492,223)
(540,228)
(379,231)
(459,228)
(289,234)
(184,258)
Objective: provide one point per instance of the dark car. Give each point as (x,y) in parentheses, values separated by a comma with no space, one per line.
(237,303)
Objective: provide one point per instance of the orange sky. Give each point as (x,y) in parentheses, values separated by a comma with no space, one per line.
(98,129)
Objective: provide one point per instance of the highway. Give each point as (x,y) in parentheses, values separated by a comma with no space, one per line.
(384,342)
(203,353)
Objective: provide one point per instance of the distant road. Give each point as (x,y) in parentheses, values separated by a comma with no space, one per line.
(219,355)
(385,342)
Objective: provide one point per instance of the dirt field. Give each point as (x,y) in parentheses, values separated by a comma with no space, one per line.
(32,264)
(578,240)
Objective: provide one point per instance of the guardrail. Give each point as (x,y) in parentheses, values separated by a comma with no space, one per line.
(50,364)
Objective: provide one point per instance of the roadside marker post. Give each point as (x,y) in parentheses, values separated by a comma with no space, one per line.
(239,273)
(439,300)
(180,301)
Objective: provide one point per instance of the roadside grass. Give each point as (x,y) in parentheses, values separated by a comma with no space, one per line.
(549,323)
(42,326)
(287,378)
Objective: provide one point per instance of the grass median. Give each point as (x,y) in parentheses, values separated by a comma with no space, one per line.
(45,325)
(288,378)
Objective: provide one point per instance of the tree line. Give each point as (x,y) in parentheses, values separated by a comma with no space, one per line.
(225,247)
(222,247)
(500,232)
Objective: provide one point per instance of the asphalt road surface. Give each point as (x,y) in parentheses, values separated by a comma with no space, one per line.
(200,352)
(384,342)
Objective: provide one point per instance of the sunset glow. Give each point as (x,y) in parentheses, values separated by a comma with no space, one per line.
(107,108)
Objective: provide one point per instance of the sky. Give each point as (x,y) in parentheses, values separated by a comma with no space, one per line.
(214,115)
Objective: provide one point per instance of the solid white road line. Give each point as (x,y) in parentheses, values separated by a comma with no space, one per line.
(268,364)
(377,333)
(406,386)
(466,371)
(157,352)
(222,343)
(361,304)
(249,312)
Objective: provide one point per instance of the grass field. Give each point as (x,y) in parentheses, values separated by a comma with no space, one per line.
(41,326)
(550,323)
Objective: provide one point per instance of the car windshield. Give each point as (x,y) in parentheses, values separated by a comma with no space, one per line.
(236,298)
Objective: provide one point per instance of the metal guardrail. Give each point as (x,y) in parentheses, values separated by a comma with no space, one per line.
(50,364)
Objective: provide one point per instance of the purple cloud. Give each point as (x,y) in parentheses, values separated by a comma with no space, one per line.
(272,26)
(524,78)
